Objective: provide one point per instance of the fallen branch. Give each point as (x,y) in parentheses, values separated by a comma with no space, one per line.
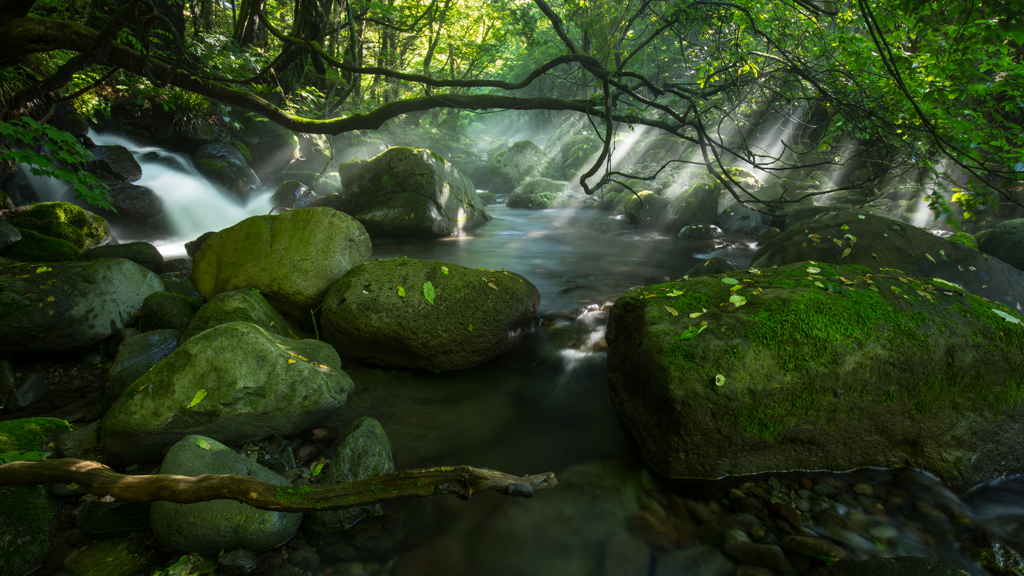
(463,481)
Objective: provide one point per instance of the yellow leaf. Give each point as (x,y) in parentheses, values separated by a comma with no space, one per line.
(672,311)
(846,253)
(50,299)
(290,361)
(491,284)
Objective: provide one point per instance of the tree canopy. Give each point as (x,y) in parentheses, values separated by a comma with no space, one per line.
(862,86)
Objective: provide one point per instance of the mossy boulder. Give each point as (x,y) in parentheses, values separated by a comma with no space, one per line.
(379,313)
(28,517)
(63,306)
(64,221)
(216,525)
(698,204)
(34,247)
(965,239)
(234,383)
(1005,241)
(512,166)
(409,192)
(824,367)
(292,258)
(578,150)
(244,305)
(542,193)
(645,209)
(142,253)
(165,310)
(225,165)
(863,238)
(487,198)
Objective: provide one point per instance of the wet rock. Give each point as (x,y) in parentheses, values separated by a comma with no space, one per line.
(408,193)
(142,253)
(225,165)
(470,315)
(542,193)
(167,311)
(626,555)
(209,527)
(711,266)
(62,221)
(134,204)
(514,165)
(1005,241)
(205,387)
(192,247)
(246,305)
(135,357)
(31,390)
(767,235)
(654,529)
(292,259)
(902,566)
(697,205)
(115,162)
(752,554)
(75,443)
(237,562)
(292,194)
(304,559)
(701,232)
(697,561)
(813,547)
(8,234)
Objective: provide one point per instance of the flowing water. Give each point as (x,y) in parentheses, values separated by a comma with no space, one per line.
(543,406)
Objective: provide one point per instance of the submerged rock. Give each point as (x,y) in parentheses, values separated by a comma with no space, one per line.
(408,192)
(216,525)
(823,367)
(383,312)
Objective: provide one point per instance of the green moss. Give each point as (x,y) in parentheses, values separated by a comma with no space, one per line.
(35,247)
(62,221)
(242,149)
(965,239)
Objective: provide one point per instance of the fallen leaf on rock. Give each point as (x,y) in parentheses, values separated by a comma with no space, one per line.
(491,284)
(202,443)
(930,257)
(1007,317)
(672,311)
(728,280)
(200,395)
(942,253)
(444,269)
(737,300)
(719,380)
(428,291)
(846,253)
(844,227)
(813,270)
(401,292)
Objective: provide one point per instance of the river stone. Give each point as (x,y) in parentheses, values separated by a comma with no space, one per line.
(409,192)
(366,531)
(542,193)
(700,232)
(225,165)
(255,383)
(31,390)
(292,194)
(1005,241)
(216,525)
(8,234)
(134,204)
(142,253)
(245,305)
(35,247)
(697,204)
(885,243)
(292,258)
(737,219)
(696,561)
(820,372)
(645,209)
(28,516)
(136,356)
(63,221)
(115,162)
(84,302)
(475,314)
(165,310)
(899,566)
(514,165)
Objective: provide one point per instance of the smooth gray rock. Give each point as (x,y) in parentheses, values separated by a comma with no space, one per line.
(225,165)
(85,303)
(136,356)
(209,527)
(31,390)
(1005,241)
(142,253)
(8,234)
(115,162)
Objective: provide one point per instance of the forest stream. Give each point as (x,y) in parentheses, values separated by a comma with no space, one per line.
(543,405)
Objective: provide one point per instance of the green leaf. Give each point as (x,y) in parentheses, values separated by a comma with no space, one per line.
(444,269)
(692,332)
(737,300)
(22,456)
(401,292)
(202,443)
(197,398)
(428,291)
(719,380)
(470,327)
(1007,317)
(728,280)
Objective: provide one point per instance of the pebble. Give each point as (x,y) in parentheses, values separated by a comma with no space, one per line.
(813,547)
(864,490)
(304,559)
(883,532)
(791,514)
(824,490)
(735,535)
(653,529)
(749,553)
(626,555)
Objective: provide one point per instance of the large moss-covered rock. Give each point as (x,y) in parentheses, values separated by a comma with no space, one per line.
(292,258)
(245,305)
(28,517)
(166,310)
(698,204)
(1005,241)
(878,241)
(541,193)
(645,209)
(64,221)
(142,253)
(409,192)
(514,165)
(225,165)
(69,305)
(235,383)
(379,313)
(824,368)
(34,247)
(217,525)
